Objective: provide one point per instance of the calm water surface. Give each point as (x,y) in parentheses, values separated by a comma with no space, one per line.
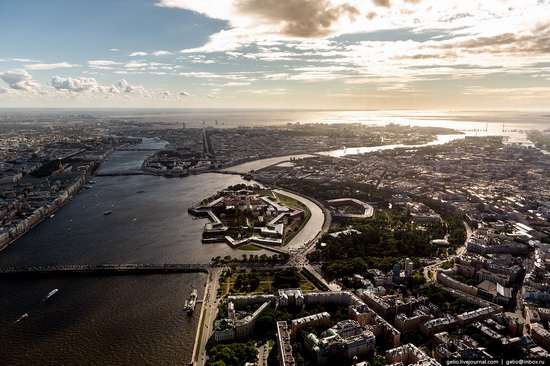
(120,320)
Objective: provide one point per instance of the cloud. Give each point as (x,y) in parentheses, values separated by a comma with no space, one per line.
(139,53)
(236,83)
(257,21)
(140,66)
(382,3)
(123,86)
(184,94)
(90,85)
(536,41)
(77,85)
(19,79)
(101,63)
(274,91)
(402,57)
(161,53)
(287,18)
(136,64)
(298,18)
(211,75)
(268,20)
(59,65)
(114,49)
(17,60)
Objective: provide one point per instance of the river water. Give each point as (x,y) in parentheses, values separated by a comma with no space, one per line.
(121,320)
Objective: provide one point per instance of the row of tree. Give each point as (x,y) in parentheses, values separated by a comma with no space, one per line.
(332,190)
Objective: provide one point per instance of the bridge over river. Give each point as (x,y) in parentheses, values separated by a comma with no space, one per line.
(102,270)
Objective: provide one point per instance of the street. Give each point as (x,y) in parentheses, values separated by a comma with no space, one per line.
(209,310)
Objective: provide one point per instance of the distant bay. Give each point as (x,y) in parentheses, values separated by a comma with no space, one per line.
(493,121)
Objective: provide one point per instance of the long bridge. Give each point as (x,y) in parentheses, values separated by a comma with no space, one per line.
(102,270)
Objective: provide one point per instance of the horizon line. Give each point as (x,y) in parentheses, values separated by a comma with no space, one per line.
(273,109)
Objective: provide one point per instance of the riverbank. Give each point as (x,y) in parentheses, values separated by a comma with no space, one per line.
(82,175)
(42,213)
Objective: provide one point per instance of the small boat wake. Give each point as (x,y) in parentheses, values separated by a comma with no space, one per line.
(50,294)
(24,316)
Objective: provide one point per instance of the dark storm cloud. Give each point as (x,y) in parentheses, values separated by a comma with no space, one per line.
(536,42)
(299,18)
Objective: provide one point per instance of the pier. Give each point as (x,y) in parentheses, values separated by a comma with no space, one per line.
(102,270)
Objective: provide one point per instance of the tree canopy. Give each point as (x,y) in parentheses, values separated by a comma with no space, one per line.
(233,354)
(286,278)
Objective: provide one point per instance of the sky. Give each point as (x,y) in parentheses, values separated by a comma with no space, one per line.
(292,54)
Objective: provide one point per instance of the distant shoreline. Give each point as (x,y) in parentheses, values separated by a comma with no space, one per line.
(493,121)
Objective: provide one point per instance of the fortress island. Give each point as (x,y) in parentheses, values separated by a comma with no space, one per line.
(241,215)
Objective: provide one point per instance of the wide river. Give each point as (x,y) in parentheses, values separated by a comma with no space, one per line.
(122,320)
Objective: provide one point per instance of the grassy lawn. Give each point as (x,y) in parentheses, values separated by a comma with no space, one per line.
(264,287)
(289,201)
(265,284)
(307,286)
(265,277)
